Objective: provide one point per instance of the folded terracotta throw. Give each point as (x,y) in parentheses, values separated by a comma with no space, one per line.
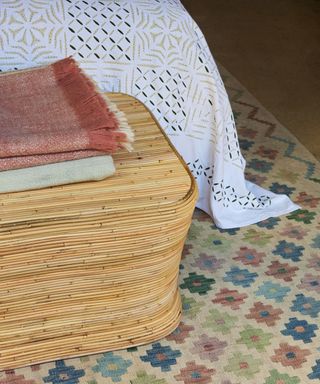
(54,113)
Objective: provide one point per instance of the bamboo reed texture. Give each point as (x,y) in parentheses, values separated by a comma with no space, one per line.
(93,267)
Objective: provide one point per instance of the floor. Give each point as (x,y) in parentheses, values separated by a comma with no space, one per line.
(274,51)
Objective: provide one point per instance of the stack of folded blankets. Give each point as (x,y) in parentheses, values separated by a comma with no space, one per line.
(56,128)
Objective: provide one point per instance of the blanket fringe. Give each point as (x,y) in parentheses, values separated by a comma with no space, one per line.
(124,127)
(111,130)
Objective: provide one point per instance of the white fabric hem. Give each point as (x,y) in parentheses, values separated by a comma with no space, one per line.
(259,216)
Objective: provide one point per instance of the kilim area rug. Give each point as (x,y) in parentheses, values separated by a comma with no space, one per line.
(251,296)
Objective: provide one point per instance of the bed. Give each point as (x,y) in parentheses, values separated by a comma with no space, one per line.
(154,51)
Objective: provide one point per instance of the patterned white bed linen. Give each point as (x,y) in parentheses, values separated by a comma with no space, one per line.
(153,50)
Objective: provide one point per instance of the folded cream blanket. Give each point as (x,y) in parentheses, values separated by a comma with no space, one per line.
(42,176)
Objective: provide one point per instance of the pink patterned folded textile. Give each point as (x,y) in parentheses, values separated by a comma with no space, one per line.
(53,114)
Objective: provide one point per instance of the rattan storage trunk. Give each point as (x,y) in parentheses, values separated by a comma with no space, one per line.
(93,267)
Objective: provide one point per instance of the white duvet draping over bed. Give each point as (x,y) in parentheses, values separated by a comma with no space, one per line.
(153,50)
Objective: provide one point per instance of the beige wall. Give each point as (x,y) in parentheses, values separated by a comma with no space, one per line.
(273,48)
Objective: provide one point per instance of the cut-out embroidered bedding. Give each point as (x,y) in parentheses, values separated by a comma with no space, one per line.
(152,50)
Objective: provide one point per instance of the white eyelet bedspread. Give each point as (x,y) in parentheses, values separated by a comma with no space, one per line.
(153,50)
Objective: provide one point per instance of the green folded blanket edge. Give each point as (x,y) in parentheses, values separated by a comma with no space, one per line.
(49,175)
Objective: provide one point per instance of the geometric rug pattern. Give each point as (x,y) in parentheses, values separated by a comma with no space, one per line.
(251,296)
